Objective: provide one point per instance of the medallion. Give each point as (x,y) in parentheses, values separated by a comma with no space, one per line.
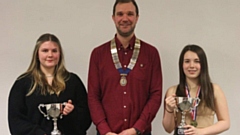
(194,123)
(117,63)
(123,80)
(194,110)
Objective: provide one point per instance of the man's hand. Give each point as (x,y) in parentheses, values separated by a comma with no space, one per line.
(130,131)
(111,133)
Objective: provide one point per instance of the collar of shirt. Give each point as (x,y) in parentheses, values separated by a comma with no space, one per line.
(131,42)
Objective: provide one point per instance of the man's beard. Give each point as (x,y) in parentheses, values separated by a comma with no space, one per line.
(125,34)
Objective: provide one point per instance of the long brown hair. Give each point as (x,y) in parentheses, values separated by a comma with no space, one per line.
(207,93)
(39,80)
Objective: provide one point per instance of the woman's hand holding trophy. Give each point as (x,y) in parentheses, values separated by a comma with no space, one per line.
(68,108)
(171,103)
(55,110)
(184,105)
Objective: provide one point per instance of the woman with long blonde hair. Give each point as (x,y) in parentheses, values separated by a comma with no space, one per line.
(47,81)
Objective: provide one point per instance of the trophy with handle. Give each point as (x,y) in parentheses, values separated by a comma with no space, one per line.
(184,105)
(53,110)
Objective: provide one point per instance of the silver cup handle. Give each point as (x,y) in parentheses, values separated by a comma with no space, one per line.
(197,101)
(40,109)
(63,105)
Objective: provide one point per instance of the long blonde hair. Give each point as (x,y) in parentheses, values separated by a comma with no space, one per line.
(38,78)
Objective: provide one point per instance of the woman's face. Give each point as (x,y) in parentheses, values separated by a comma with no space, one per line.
(49,55)
(191,65)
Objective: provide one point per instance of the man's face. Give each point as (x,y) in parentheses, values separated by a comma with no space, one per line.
(125,18)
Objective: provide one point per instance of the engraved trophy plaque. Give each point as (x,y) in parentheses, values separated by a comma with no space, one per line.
(54,111)
(184,105)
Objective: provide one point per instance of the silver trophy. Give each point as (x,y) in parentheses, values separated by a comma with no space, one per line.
(184,105)
(54,111)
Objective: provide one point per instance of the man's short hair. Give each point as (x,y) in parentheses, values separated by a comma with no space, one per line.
(125,1)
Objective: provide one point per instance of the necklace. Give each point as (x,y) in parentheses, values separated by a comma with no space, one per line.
(194,110)
(116,61)
(49,76)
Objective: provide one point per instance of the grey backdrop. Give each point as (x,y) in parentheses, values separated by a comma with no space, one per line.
(82,25)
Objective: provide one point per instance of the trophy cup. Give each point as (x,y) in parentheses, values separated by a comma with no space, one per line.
(54,111)
(184,104)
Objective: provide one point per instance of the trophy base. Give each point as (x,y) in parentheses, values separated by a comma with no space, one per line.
(179,131)
(56,132)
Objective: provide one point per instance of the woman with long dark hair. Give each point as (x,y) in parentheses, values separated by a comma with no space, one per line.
(194,82)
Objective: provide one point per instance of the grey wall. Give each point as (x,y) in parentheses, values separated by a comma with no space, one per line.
(82,25)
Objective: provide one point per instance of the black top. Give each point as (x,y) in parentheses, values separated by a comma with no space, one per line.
(25,118)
